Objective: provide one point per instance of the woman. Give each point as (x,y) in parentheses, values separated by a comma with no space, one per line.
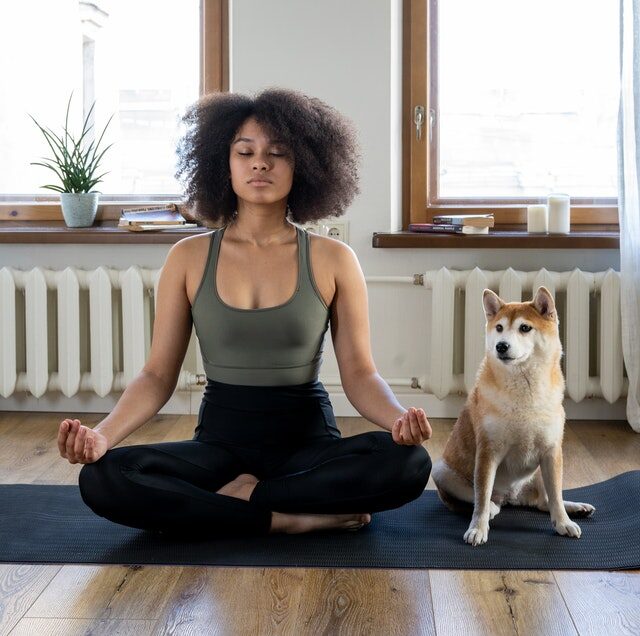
(266,455)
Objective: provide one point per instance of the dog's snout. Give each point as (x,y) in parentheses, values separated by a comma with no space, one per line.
(502,347)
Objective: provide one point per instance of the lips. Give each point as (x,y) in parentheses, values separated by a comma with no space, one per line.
(260,181)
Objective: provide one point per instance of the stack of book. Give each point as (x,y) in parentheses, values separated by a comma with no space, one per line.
(165,217)
(456,224)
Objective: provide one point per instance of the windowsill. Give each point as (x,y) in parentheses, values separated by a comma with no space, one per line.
(507,237)
(502,236)
(100,232)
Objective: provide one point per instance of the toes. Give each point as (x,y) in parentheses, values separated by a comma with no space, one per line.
(476,536)
(579,509)
(567,528)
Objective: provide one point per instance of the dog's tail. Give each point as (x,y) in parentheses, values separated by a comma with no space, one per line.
(454,504)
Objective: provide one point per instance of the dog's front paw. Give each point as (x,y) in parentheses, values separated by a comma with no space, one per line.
(579,509)
(477,535)
(567,528)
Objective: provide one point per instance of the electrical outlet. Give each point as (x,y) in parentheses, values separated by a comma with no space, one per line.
(315,229)
(336,230)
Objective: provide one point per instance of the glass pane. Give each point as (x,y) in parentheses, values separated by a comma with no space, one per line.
(139,60)
(528,98)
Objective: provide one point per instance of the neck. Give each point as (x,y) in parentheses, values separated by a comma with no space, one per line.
(261,225)
(534,372)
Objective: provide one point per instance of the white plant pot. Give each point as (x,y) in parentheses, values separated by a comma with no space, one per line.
(79,208)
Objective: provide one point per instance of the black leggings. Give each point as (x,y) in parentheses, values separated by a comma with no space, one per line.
(285,436)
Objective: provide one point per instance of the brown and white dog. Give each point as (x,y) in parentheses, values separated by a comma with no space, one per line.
(506,446)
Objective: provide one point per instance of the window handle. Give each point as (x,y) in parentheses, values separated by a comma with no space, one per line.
(418,120)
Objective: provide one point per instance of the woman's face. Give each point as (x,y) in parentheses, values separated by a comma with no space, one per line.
(261,168)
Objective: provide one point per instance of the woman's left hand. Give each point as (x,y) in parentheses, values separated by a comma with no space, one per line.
(412,428)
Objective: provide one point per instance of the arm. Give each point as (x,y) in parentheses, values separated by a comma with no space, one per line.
(151,389)
(363,386)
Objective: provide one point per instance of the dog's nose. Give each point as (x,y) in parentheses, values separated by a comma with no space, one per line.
(502,347)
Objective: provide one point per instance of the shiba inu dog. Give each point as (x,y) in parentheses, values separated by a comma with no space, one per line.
(506,446)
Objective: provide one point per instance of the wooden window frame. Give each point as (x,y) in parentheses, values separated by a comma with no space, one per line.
(419,159)
(214,76)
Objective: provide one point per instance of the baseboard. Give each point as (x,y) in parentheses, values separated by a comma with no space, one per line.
(188,402)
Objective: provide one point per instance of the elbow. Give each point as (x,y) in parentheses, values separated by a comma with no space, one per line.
(165,385)
(354,378)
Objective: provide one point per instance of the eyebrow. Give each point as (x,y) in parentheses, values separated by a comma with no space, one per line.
(273,142)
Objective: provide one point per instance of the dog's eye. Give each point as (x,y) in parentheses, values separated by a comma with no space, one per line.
(499,328)
(525,328)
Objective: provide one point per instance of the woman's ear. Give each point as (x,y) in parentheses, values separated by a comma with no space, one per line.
(492,303)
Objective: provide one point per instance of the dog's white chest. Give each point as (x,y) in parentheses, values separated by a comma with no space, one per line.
(521,443)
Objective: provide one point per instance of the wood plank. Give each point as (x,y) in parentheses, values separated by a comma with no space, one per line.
(20,586)
(234,601)
(498,603)
(365,601)
(80,627)
(106,592)
(578,466)
(612,445)
(602,602)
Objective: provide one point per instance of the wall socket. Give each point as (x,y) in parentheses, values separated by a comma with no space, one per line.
(338,230)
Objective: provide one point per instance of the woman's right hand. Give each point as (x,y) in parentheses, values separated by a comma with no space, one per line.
(80,444)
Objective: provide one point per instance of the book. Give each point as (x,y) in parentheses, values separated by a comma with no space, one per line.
(164,215)
(447,228)
(143,227)
(471,220)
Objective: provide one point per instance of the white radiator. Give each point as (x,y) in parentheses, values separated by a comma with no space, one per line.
(588,307)
(55,339)
(72,349)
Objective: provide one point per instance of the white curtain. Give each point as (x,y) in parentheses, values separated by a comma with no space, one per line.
(629,201)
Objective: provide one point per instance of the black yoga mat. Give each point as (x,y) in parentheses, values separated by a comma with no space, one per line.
(51,524)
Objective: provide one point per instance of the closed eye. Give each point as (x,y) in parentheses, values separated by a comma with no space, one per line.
(274,154)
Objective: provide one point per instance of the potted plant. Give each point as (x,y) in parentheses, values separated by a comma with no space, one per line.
(76,167)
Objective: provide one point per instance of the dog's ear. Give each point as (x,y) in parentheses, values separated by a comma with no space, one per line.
(544,304)
(492,303)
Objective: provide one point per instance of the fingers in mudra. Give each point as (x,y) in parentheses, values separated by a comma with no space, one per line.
(412,428)
(77,443)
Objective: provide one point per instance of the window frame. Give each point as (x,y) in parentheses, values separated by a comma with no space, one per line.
(419,157)
(214,76)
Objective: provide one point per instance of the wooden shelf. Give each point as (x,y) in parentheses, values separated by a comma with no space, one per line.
(47,232)
(506,237)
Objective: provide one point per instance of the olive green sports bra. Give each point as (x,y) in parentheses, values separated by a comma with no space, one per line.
(271,346)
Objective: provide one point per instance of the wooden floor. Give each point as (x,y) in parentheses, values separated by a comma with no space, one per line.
(137,600)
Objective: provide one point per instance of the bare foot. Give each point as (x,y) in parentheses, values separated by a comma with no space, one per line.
(298,523)
(241,487)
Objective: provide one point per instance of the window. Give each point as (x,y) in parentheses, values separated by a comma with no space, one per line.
(143,62)
(505,102)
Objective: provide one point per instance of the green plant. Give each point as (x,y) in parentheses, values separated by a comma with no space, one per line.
(74,165)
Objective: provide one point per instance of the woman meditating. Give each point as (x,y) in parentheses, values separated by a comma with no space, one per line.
(266,455)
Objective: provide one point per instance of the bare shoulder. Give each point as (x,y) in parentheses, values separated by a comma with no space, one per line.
(189,256)
(193,242)
(335,254)
(189,249)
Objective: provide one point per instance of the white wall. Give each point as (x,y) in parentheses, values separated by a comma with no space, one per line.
(348,54)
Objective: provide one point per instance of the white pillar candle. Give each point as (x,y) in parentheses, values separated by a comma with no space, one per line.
(559,214)
(537,218)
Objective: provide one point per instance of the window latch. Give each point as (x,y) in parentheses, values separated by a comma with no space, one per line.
(418,120)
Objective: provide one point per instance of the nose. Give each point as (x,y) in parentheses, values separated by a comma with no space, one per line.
(260,164)
(502,347)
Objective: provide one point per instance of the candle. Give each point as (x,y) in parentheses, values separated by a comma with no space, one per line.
(559,213)
(537,218)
